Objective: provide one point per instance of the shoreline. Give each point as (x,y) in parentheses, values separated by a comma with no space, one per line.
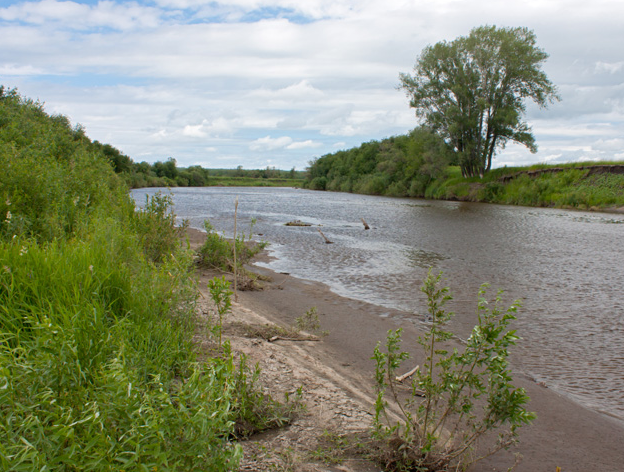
(565,434)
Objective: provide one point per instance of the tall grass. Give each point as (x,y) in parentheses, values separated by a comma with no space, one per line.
(98,370)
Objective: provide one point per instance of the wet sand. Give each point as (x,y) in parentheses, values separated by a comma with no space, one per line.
(565,434)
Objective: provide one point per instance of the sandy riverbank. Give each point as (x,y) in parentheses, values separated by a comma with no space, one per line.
(337,378)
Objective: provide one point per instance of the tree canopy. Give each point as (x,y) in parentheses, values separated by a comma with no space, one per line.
(472,92)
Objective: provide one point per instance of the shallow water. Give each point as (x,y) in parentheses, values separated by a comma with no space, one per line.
(566,266)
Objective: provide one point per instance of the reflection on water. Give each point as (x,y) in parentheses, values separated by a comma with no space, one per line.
(564,265)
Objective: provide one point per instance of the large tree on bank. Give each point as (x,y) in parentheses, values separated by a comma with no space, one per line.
(472,92)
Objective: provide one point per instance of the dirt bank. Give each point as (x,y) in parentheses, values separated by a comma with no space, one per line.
(336,376)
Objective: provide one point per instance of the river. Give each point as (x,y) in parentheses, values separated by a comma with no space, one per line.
(565,266)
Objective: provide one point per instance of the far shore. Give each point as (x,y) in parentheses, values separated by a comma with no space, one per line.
(565,434)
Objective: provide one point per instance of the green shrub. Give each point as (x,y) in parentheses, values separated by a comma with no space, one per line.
(218,253)
(456,397)
(155,224)
(98,369)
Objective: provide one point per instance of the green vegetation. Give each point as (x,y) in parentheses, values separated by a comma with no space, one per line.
(168,174)
(98,368)
(217,252)
(471,91)
(397,166)
(421,165)
(470,94)
(455,398)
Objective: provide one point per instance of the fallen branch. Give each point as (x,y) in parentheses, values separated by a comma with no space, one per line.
(327,241)
(365,224)
(277,338)
(407,375)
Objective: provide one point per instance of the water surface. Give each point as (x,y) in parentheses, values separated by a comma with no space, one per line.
(566,266)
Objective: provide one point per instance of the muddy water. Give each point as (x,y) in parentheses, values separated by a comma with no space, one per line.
(566,266)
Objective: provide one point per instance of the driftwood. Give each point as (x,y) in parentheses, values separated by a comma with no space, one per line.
(365,224)
(327,241)
(407,375)
(297,223)
(277,338)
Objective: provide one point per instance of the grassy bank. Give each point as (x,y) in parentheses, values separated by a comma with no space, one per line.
(253,182)
(98,369)
(420,164)
(581,186)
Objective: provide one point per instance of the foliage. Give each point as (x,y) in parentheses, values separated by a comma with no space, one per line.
(222,298)
(472,91)
(50,183)
(217,253)
(310,323)
(456,397)
(396,166)
(168,174)
(253,410)
(155,225)
(98,370)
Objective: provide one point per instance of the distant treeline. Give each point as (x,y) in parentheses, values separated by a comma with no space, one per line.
(420,164)
(168,174)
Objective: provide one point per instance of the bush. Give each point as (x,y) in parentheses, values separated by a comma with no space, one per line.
(155,224)
(218,253)
(456,398)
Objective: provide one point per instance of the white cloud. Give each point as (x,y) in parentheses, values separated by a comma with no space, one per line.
(194,131)
(609,67)
(184,78)
(270,144)
(74,15)
(308,143)
(14,69)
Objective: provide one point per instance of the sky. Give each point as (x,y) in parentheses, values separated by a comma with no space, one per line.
(278,83)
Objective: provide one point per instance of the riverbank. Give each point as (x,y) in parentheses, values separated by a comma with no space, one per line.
(337,376)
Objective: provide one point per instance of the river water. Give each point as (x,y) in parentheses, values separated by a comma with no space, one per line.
(566,266)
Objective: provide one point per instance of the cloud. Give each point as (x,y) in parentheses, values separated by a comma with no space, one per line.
(609,67)
(194,131)
(74,15)
(298,92)
(308,143)
(210,81)
(15,69)
(270,144)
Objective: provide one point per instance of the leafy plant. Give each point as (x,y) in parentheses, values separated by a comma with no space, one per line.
(222,297)
(457,396)
(217,252)
(310,322)
(253,410)
(156,227)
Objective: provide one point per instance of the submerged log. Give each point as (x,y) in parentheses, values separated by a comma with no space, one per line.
(297,223)
(327,241)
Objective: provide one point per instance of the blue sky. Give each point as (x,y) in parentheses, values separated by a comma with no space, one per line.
(278,82)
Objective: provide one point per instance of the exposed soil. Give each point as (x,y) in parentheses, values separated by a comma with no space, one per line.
(335,375)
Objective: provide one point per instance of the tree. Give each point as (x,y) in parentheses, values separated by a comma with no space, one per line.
(472,91)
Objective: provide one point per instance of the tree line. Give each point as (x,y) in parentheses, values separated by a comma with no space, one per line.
(397,166)
(167,173)
(469,95)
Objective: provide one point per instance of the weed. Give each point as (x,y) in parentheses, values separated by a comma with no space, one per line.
(310,323)
(222,297)
(218,253)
